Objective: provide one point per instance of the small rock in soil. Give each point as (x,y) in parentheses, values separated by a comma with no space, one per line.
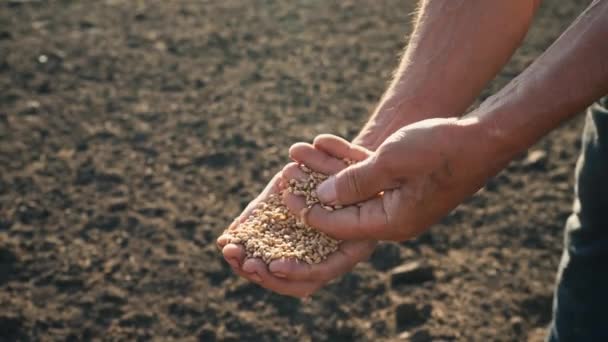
(412,273)
(536,159)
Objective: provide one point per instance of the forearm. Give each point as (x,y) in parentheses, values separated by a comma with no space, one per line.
(568,77)
(455,49)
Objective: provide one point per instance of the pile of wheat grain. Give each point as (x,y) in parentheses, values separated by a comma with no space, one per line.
(272,232)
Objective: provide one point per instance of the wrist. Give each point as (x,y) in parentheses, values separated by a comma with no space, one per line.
(400,107)
(498,142)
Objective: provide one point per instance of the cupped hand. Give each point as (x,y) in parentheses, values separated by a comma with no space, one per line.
(416,177)
(289,276)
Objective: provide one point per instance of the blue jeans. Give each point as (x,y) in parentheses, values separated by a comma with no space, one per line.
(580,304)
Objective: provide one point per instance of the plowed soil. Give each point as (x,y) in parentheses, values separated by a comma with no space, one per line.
(132,132)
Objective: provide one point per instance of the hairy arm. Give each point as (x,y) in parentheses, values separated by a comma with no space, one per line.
(568,77)
(449,159)
(456,47)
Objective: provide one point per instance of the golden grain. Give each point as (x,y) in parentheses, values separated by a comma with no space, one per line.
(272,232)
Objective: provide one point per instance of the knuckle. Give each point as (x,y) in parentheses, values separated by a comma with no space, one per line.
(353,178)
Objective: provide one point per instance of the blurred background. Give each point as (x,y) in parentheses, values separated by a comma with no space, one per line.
(132,132)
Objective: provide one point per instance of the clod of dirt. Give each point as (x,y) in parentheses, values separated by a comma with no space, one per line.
(408,315)
(216,160)
(11,326)
(137,319)
(104,222)
(5,224)
(421,335)
(31,212)
(31,108)
(207,334)
(386,256)
(113,295)
(186,224)
(5,35)
(118,205)
(414,272)
(8,261)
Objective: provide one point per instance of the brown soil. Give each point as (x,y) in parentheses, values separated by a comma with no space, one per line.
(132,132)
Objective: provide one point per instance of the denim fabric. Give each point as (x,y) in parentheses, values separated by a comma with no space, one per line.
(580,304)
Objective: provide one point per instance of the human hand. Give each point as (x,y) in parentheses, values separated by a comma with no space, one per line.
(288,276)
(417,176)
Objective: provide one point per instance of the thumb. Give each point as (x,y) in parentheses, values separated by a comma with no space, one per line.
(356,183)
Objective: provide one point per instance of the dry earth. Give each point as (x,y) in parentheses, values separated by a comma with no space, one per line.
(131,132)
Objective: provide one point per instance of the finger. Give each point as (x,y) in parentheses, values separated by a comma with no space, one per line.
(294,203)
(254,265)
(343,260)
(222,241)
(290,200)
(366,221)
(292,171)
(341,148)
(294,269)
(315,159)
(298,289)
(234,254)
(356,183)
(249,276)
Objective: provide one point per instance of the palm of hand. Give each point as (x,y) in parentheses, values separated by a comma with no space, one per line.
(288,276)
(416,176)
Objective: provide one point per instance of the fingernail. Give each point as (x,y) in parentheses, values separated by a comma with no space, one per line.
(279,275)
(327,191)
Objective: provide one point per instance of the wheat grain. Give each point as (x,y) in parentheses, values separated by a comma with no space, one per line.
(272,232)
